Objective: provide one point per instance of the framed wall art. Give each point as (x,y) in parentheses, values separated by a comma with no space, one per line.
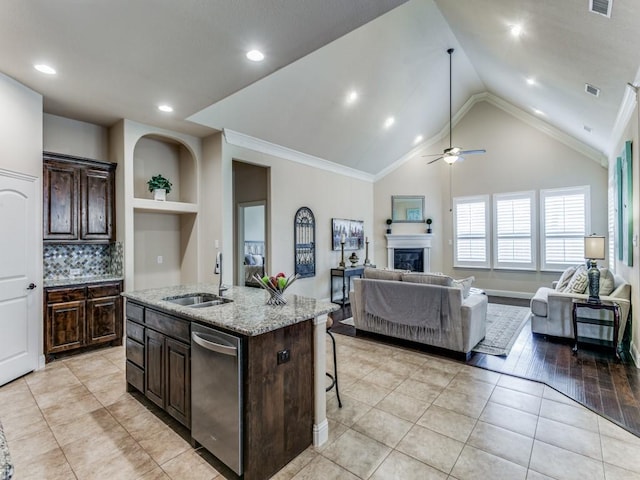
(351,231)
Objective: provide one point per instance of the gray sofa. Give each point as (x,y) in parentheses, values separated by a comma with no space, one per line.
(423,308)
(551,312)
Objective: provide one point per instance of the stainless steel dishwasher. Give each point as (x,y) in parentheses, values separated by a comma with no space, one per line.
(216,394)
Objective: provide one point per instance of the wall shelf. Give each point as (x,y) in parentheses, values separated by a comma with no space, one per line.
(153,206)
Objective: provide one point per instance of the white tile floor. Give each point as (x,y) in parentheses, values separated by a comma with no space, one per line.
(406,415)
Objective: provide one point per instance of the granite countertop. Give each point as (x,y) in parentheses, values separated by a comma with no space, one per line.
(69,281)
(248,314)
(6,467)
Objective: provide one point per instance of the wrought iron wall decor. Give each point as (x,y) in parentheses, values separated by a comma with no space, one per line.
(304,241)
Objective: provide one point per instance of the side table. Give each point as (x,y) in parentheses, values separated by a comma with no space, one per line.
(603,305)
(346,273)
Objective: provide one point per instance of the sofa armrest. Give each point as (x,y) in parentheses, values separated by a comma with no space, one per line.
(473,315)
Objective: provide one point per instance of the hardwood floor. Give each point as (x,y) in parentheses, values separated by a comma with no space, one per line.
(593,377)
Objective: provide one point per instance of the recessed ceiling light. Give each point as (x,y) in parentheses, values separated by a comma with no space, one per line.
(516,30)
(418,139)
(531,81)
(255,55)
(165,108)
(42,68)
(538,112)
(352,96)
(389,121)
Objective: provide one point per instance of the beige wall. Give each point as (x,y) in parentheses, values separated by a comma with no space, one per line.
(72,137)
(294,185)
(630,273)
(519,158)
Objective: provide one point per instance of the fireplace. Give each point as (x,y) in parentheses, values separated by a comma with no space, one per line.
(411,259)
(407,246)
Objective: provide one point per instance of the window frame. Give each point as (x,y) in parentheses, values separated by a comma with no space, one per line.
(533,264)
(551,192)
(486,264)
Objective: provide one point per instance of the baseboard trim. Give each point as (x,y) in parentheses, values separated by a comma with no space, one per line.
(320,433)
(509,294)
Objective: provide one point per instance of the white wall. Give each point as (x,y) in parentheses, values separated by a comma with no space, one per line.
(72,137)
(21,152)
(519,157)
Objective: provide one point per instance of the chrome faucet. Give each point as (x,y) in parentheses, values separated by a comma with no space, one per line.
(218,270)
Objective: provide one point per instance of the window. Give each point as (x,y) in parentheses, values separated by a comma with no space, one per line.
(565,222)
(471,226)
(514,231)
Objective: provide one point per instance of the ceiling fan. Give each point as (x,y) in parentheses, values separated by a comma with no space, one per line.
(452,154)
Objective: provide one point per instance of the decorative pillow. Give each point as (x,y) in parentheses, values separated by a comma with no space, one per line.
(257,260)
(579,281)
(248,259)
(380,274)
(428,278)
(607,282)
(565,278)
(465,285)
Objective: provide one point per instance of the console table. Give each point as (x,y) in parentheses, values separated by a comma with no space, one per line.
(345,273)
(603,305)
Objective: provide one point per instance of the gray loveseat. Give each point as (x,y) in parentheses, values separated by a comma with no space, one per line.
(423,308)
(551,309)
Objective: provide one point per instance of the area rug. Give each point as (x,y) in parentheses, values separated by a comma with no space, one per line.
(504,323)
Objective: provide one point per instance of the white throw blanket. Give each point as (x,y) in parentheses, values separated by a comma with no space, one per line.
(389,306)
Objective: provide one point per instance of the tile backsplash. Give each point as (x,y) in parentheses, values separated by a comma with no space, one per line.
(83,260)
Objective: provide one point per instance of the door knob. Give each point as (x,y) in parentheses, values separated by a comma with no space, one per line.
(31,286)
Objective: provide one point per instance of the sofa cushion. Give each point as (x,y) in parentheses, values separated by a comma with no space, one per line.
(464,284)
(248,259)
(607,282)
(565,278)
(257,259)
(428,278)
(380,274)
(579,281)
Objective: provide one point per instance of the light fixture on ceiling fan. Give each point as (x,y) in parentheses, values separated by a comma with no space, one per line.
(452,154)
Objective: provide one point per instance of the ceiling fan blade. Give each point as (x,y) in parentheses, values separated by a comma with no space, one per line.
(432,161)
(432,155)
(471,152)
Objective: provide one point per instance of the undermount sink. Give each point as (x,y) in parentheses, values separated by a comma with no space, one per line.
(197,300)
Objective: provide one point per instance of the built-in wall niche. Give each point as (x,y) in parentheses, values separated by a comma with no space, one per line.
(164,249)
(155,155)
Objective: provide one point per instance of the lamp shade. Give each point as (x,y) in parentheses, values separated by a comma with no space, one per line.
(594,247)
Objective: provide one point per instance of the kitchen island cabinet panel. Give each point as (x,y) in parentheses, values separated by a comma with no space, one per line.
(154,366)
(178,381)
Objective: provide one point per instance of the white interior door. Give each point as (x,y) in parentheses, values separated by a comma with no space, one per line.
(20,255)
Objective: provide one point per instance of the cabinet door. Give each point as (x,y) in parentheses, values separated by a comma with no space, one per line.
(104,317)
(60,196)
(65,326)
(154,366)
(178,386)
(96,207)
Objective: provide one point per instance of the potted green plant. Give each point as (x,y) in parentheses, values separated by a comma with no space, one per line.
(160,187)
(389,222)
(428,222)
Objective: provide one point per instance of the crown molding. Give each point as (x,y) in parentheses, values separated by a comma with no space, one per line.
(246,141)
(625,111)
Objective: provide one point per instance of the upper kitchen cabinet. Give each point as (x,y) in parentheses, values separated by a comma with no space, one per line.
(78,199)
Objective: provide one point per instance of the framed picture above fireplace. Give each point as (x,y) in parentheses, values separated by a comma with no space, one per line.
(353,231)
(407,208)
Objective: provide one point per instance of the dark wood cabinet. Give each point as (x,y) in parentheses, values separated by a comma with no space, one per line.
(80,316)
(78,199)
(163,342)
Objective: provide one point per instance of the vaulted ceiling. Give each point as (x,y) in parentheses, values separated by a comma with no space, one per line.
(122,58)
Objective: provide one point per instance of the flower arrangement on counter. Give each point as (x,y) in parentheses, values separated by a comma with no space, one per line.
(276,285)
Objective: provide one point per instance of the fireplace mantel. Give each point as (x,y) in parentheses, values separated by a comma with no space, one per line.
(415,240)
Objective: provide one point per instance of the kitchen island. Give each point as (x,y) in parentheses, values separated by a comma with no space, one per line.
(282,366)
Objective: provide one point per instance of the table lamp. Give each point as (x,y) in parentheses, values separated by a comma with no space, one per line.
(594,249)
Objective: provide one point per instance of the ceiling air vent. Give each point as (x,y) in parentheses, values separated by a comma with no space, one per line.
(590,89)
(601,7)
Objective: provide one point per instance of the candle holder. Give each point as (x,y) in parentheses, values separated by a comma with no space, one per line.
(342,264)
(367,262)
